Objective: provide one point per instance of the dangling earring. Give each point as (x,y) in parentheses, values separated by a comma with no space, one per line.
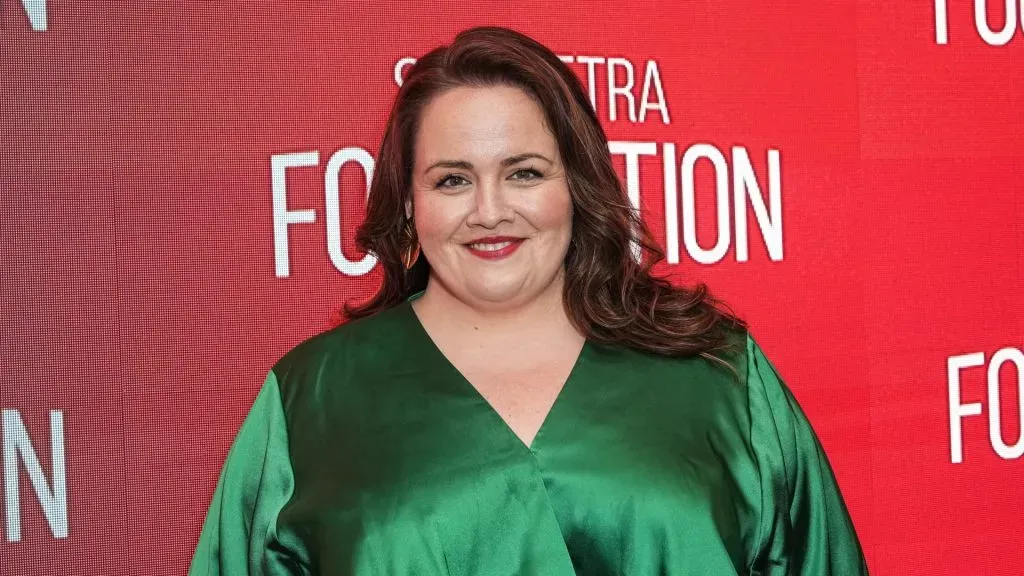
(411,252)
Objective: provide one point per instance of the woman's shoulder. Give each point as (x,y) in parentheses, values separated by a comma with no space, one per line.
(726,361)
(368,337)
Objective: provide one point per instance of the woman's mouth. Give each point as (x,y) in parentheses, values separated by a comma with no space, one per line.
(494,248)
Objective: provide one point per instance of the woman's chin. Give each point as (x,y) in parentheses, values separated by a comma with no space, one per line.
(498,291)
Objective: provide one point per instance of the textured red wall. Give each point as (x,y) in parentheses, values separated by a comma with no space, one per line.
(145,291)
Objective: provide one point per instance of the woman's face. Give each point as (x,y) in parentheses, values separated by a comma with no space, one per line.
(490,199)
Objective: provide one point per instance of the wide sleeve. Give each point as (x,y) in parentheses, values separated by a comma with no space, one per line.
(239,536)
(805,526)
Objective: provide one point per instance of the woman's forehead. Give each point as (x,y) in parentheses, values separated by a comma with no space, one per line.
(482,126)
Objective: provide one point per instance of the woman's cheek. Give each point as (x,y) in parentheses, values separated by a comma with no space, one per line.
(436,219)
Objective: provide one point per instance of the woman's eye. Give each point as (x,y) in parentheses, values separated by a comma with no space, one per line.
(526,174)
(451,181)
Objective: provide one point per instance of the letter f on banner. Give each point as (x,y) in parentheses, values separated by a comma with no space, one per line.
(283,217)
(957,410)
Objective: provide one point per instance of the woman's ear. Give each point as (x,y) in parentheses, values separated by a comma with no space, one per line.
(408,209)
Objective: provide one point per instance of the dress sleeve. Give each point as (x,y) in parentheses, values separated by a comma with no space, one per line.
(239,536)
(805,527)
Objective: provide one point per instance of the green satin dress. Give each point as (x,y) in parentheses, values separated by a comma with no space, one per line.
(367,453)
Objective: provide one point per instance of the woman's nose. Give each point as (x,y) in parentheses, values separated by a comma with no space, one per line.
(491,205)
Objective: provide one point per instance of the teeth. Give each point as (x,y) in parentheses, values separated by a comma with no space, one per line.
(490,247)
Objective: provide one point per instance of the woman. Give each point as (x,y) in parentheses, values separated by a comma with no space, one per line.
(521,396)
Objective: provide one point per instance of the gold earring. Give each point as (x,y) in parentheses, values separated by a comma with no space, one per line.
(411,252)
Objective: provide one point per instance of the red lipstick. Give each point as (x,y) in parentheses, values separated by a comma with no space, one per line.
(493,252)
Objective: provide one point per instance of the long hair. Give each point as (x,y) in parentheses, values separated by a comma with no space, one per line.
(609,296)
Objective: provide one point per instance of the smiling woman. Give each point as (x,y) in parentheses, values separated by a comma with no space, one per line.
(521,396)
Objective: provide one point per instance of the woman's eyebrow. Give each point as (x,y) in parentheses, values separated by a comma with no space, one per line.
(463,165)
(460,164)
(520,157)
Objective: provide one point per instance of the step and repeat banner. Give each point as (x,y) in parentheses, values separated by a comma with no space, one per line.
(180,184)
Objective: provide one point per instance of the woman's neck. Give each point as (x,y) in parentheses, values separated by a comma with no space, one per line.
(542,316)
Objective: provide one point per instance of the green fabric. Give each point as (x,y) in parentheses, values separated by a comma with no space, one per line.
(367,453)
(240,532)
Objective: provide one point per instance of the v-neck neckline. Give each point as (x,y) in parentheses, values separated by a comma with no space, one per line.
(469,388)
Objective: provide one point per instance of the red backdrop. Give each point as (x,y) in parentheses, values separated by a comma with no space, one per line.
(847,174)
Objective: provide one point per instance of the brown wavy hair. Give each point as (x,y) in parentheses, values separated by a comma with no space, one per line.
(609,296)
